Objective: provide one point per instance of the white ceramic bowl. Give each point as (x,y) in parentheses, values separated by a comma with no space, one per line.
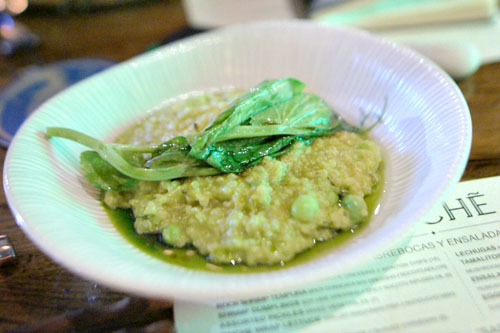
(426,137)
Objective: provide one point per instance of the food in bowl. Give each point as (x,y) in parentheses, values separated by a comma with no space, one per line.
(273,172)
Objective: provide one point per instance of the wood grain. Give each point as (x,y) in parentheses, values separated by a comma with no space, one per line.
(36,288)
(482,93)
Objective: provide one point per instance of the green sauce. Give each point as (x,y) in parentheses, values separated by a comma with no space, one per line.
(189,258)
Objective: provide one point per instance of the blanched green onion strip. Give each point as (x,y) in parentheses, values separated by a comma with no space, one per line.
(110,153)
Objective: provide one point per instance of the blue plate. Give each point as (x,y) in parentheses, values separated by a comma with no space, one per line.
(35,84)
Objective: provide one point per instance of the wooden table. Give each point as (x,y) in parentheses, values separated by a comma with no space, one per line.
(36,288)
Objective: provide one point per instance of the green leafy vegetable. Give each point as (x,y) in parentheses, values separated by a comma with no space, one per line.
(240,154)
(255,100)
(265,121)
(102,174)
(171,153)
(120,157)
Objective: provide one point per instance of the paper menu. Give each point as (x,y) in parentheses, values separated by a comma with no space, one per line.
(443,278)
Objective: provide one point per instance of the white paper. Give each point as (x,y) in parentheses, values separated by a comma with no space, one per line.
(483,35)
(444,278)
(459,36)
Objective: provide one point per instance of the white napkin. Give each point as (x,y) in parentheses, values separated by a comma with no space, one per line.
(458,35)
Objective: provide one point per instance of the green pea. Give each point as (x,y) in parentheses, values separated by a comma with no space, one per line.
(172,235)
(356,206)
(333,197)
(305,208)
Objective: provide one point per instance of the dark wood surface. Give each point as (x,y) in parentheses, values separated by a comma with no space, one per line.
(36,288)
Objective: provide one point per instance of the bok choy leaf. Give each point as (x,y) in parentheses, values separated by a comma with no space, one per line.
(264,121)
